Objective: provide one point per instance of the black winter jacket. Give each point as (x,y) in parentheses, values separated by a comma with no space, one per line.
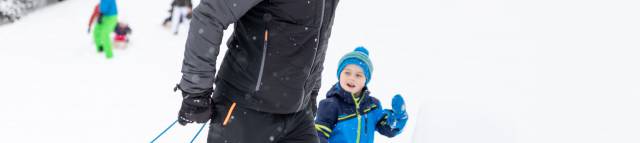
(274,57)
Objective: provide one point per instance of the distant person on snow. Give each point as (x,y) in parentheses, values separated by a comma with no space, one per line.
(122,35)
(107,21)
(181,8)
(167,21)
(349,113)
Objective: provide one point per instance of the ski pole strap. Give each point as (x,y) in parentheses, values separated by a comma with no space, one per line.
(195,136)
(165,130)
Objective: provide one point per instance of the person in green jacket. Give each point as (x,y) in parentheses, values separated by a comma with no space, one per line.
(107,22)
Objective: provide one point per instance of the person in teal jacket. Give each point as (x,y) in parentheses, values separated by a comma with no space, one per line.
(350,114)
(107,21)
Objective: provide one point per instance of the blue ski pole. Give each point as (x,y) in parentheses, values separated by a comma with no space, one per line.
(165,130)
(194,137)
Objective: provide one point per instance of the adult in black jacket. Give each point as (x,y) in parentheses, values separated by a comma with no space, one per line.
(270,75)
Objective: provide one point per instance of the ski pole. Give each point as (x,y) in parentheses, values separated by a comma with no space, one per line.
(194,137)
(165,130)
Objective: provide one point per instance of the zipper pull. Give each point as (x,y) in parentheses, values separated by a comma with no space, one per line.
(266,36)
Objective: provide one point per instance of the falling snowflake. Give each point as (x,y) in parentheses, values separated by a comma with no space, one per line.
(212,50)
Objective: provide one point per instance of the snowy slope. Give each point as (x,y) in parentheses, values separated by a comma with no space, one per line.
(490,71)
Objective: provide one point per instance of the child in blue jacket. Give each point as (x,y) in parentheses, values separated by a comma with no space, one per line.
(349,114)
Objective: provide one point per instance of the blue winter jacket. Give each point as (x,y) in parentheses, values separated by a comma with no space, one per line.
(340,120)
(108,7)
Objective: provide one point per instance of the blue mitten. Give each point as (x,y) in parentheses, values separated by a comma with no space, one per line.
(399,111)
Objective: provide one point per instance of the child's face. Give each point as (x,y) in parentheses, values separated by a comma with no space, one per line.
(352,78)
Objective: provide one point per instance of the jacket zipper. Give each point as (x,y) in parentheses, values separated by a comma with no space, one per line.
(264,55)
(357,102)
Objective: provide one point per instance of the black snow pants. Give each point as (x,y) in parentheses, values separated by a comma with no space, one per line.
(234,124)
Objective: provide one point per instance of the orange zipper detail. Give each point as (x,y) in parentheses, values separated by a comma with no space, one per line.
(226,119)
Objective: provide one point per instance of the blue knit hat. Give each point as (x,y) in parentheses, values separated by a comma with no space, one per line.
(360,57)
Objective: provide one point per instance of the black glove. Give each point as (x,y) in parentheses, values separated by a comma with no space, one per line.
(196,107)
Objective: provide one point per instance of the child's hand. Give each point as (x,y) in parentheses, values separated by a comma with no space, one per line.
(399,107)
(399,112)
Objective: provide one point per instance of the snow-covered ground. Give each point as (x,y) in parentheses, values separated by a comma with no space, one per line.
(491,71)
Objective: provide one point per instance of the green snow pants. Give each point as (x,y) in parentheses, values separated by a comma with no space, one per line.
(102,34)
